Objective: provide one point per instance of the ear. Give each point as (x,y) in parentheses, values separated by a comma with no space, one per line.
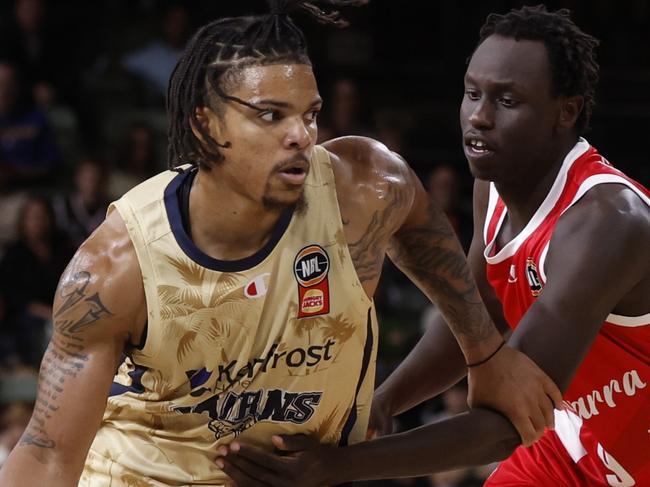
(209,123)
(570,110)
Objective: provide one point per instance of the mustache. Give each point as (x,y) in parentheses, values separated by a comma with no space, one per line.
(300,159)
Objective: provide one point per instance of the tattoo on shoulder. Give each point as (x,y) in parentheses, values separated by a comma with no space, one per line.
(369,251)
(65,356)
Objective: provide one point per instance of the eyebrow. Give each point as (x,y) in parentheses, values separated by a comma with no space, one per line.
(282,104)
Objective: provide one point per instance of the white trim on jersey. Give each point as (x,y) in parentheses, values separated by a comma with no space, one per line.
(492,203)
(629,321)
(542,212)
(567,429)
(597,179)
(542,262)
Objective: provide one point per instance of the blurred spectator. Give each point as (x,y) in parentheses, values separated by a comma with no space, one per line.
(39,49)
(80,211)
(10,204)
(28,153)
(14,418)
(29,273)
(392,126)
(17,395)
(155,62)
(343,114)
(454,401)
(6,342)
(136,162)
(443,186)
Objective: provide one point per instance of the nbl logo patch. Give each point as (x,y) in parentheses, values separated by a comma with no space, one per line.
(311,267)
(533,277)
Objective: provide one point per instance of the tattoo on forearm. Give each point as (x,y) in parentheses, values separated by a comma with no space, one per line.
(64,357)
(368,252)
(432,256)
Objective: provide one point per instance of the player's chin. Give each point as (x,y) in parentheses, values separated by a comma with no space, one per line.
(280,200)
(482,172)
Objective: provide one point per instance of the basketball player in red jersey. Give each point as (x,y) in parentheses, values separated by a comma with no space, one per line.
(560,252)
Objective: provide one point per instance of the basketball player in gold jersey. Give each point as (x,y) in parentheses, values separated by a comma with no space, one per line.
(233,293)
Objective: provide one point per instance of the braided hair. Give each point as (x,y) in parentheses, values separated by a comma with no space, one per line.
(574,68)
(216,55)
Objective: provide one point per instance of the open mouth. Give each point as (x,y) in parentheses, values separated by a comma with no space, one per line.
(475,147)
(293,170)
(293,175)
(478,146)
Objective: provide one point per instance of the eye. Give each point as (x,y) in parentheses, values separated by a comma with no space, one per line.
(270,115)
(313,115)
(472,94)
(507,102)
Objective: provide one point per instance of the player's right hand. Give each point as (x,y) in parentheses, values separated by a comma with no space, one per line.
(511,383)
(381,419)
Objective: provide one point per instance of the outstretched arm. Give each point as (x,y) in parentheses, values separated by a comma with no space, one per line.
(427,250)
(92,320)
(412,382)
(557,332)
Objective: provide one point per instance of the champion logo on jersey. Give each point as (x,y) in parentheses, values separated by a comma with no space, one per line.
(311,267)
(257,287)
(533,277)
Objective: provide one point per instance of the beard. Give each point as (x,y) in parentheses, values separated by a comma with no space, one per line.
(273,204)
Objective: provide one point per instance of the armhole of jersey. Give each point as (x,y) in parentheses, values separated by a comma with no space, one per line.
(151,340)
(320,158)
(542,262)
(597,179)
(327,181)
(355,427)
(492,204)
(587,184)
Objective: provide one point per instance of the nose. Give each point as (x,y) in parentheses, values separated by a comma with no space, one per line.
(482,114)
(299,135)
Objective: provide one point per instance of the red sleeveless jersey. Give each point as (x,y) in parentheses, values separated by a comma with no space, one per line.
(606,432)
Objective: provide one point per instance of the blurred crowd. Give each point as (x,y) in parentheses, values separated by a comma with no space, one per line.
(82,120)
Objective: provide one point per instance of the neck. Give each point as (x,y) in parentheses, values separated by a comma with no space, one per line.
(524,196)
(225,224)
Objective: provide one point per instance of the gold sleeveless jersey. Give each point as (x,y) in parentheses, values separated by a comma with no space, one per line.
(281,342)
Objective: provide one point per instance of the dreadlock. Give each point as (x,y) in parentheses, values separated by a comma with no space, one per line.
(571,51)
(216,55)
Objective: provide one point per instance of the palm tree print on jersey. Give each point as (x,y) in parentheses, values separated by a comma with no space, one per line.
(337,328)
(205,311)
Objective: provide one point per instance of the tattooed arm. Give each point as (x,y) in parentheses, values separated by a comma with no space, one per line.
(94,318)
(426,249)
(386,210)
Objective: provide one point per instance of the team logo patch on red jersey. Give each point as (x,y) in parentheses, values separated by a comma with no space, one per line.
(533,277)
(311,267)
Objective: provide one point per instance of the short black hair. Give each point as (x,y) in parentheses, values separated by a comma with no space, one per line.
(570,50)
(214,56)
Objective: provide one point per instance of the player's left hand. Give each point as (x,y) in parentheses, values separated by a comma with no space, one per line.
(298,460)
(514,385)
